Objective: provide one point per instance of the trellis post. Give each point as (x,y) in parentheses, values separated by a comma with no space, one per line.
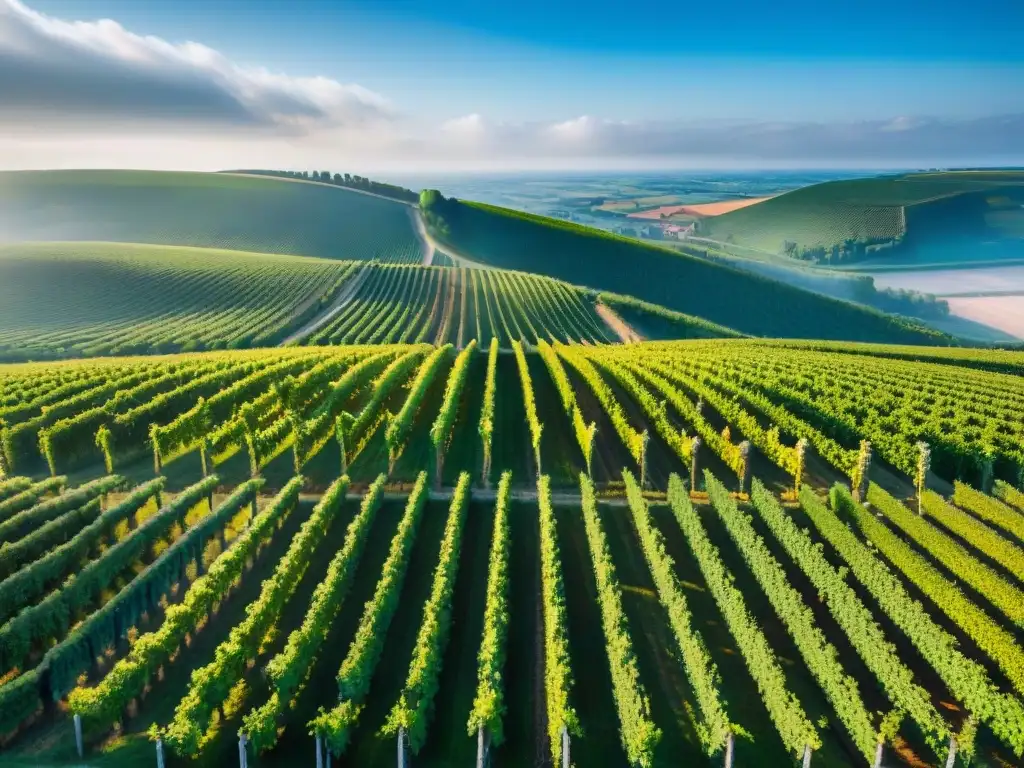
(801,463)
(924,464)
(730,743)
(160,753)
(951,758)
(483,747)
(243,755)
(744,448)
(401,748)
(694,450)
(862,471)
(807,756)
(645,438)
(879,752)
(79,743)
(319,751)
(566,762)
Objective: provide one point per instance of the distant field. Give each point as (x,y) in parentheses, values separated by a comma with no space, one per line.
(949,282)
(700,209)
(249,213)
(82,299)
(888,209)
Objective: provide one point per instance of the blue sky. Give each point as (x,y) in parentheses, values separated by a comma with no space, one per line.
(488,69)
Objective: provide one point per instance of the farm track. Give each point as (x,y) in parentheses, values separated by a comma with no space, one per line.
(626,333)
(416,215)
(345,295)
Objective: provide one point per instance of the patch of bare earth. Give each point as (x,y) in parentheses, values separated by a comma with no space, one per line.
(626,333)
(700,209)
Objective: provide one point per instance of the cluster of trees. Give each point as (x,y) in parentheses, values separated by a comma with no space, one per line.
(347,180)
(851,249)
(433,206)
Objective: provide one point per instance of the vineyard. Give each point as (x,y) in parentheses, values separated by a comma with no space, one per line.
(719,294)
(403,304)
(60,300)
(206,210)
(87,299)
(502,545)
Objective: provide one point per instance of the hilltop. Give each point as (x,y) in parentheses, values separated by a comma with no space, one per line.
(209,210)
(605,262)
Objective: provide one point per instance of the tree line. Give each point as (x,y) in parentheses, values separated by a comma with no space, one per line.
(348,180)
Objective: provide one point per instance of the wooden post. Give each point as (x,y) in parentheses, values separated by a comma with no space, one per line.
(160,753)
(694,468)
(878,756)
(566,763)
(801,463)
(243,757)
(79,744)
(807,756)
(745,473)
(862,472)
(924,464)
(319,752)
(645,438)
(729,747)
(202,456)
(951,759)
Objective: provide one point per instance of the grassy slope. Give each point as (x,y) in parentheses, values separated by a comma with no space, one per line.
(584,256)
(86,298)
(208,210)
(828,213)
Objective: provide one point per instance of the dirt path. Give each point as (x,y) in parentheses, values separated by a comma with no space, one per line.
(626,333)
(345,295)
(429,246)
(459,258)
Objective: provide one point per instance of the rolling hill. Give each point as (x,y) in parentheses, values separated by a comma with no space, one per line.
(86,299)
(242,212)
(749,303)
(82,299)
(851,219)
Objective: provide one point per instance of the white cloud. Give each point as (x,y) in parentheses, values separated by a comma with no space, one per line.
(100,73)
(93,94)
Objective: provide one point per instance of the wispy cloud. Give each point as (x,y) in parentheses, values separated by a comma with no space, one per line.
(101,74)
(77,93)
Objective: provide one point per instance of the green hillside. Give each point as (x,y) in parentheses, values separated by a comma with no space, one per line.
(584,256)
(405,304)
(207,210)
(853,218)
(82,299)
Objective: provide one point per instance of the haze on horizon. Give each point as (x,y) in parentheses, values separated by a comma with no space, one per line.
(388,86)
